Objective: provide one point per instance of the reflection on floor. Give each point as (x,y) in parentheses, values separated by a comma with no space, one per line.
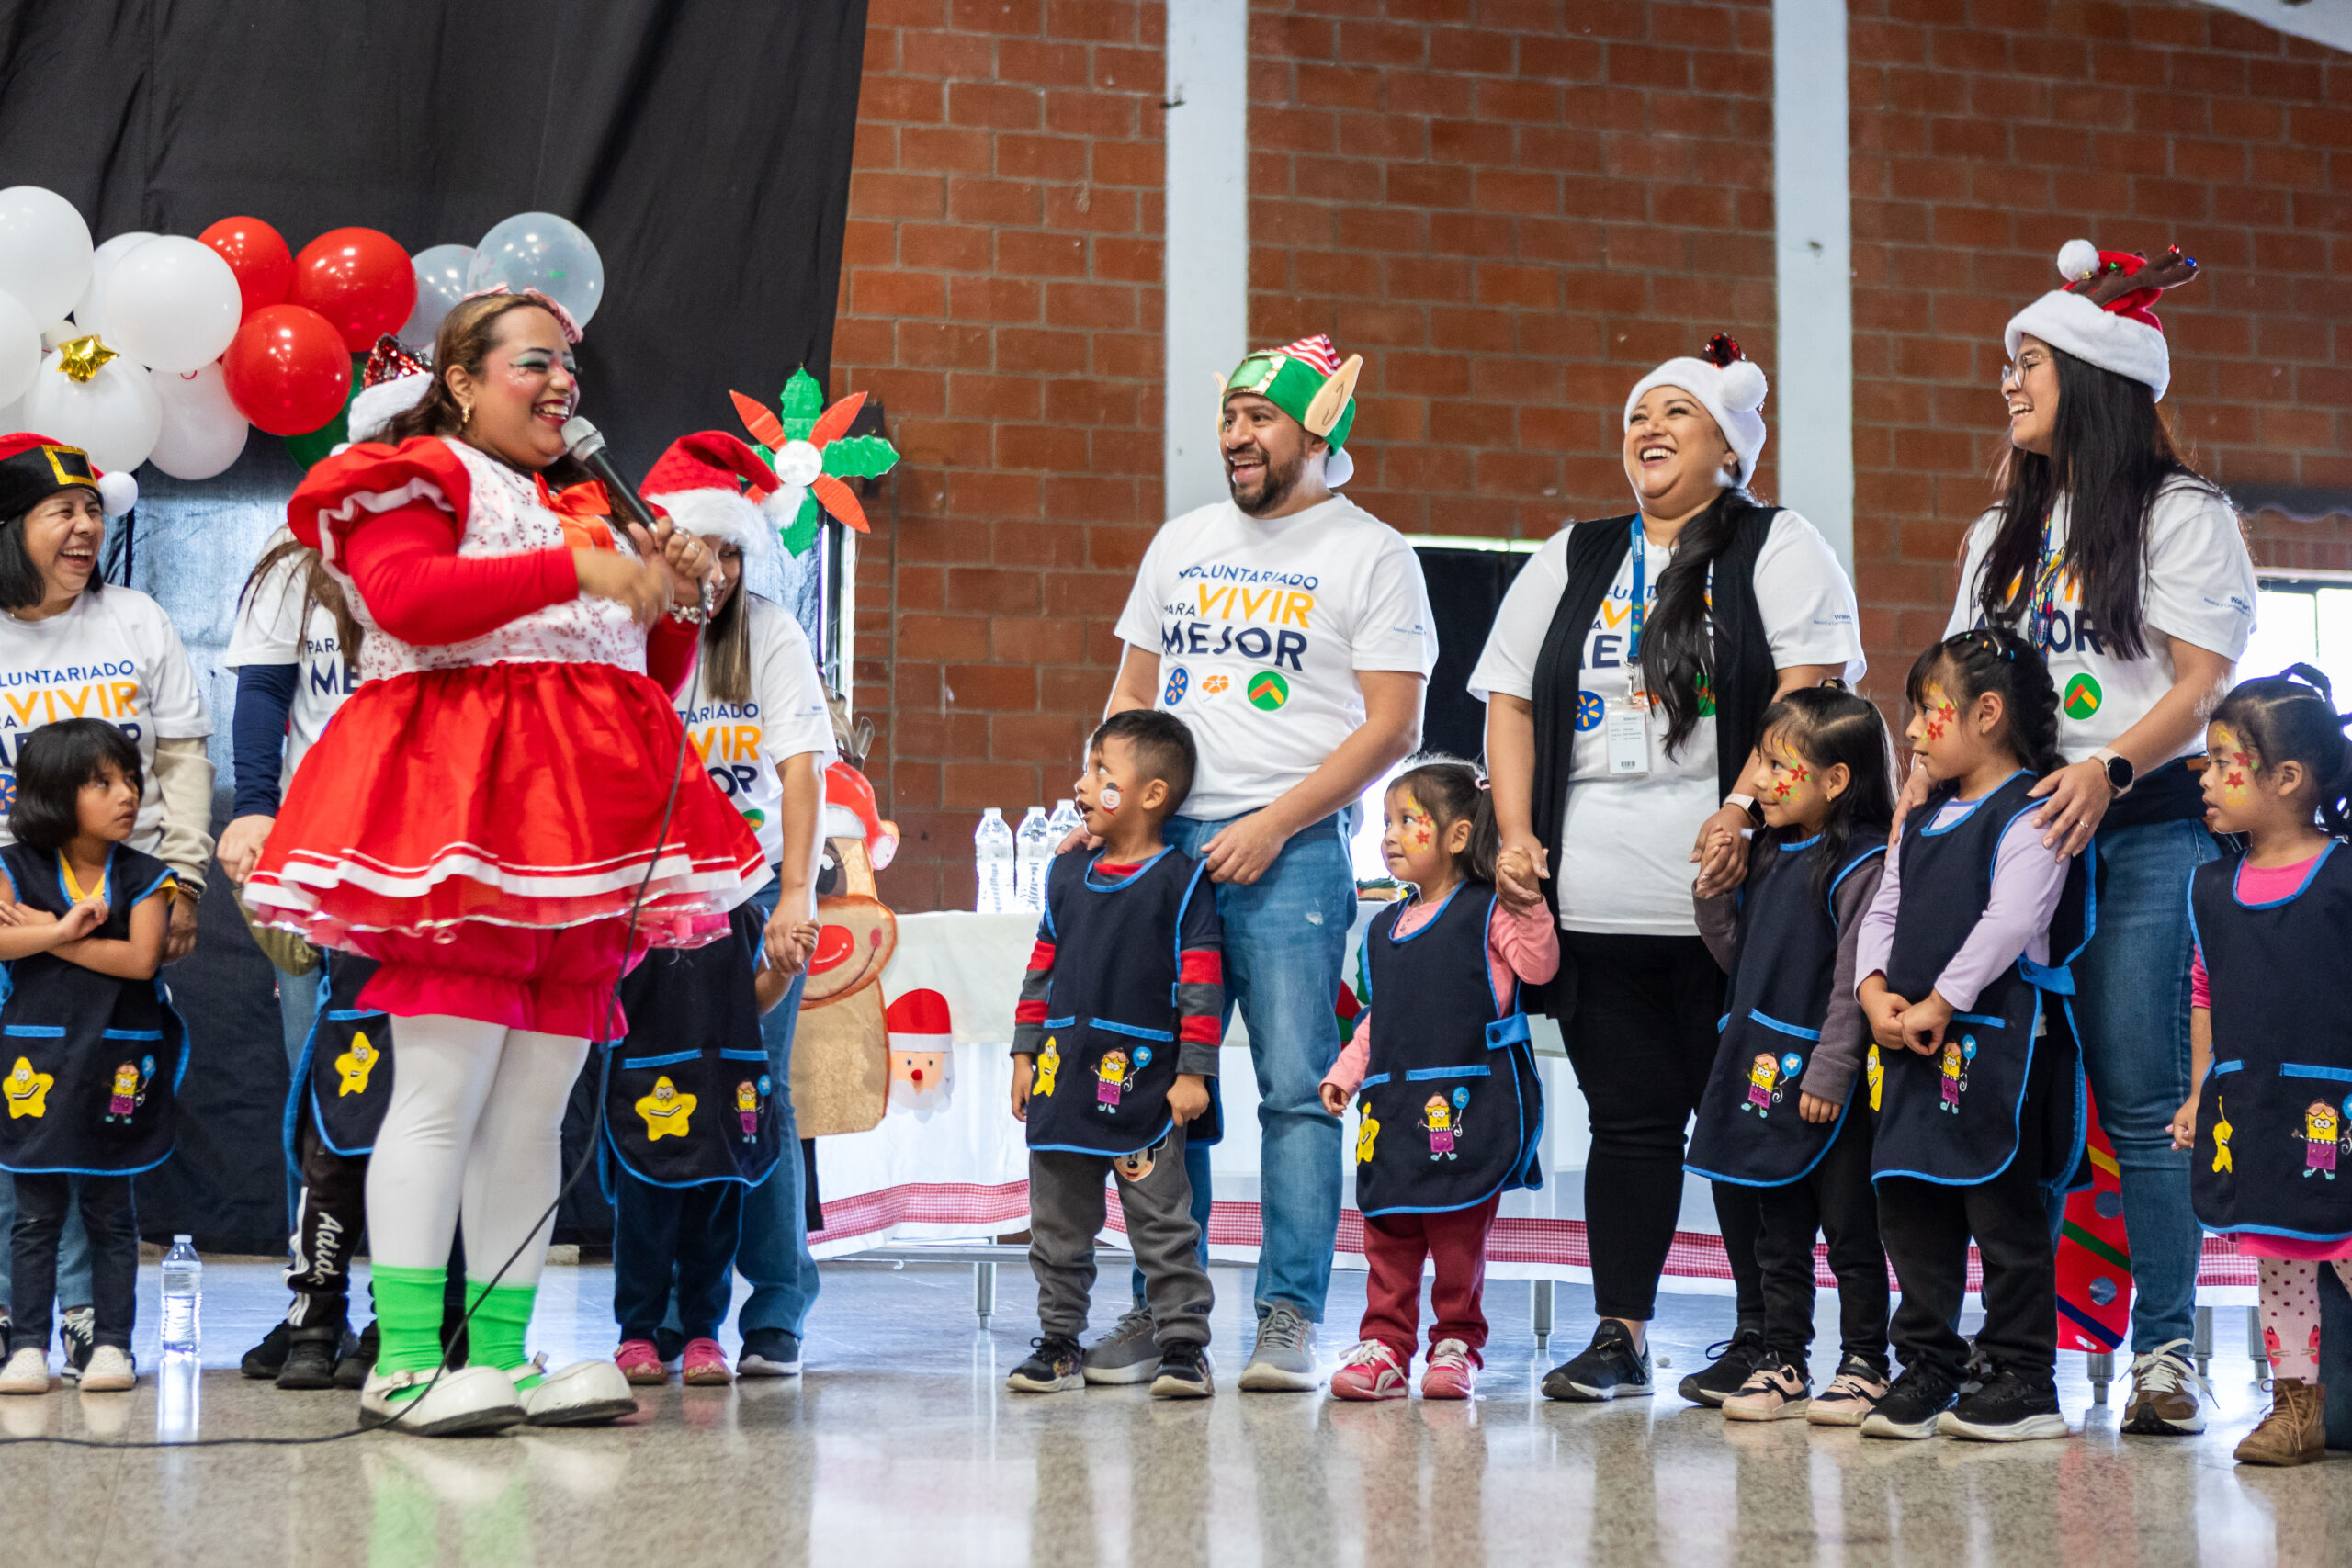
(901,1446)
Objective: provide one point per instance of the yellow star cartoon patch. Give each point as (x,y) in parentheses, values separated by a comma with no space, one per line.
(353,1066)
(26,1090)
(666,1111)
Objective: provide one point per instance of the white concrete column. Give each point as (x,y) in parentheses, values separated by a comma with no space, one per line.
(1812,407)
(1206,265)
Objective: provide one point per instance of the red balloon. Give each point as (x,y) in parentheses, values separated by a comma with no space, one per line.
(360,281)
(257,254)
(287,370)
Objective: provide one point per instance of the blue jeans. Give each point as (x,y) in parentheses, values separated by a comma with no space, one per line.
(298,1008)
(74,1286)
(773,1256)
(2132,1009)
(1285,943)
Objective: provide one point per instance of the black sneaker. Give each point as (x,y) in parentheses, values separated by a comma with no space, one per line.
(78,1328)
(1913,1406)
(267,1359)
(312,1354)
(768,1353)
(1731,1362)
(1183,1374)
(358,1359)
(1057,1365)
(1609,1368)
(2010,1408)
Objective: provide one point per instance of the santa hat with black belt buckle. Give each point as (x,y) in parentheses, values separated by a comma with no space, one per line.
(33,468)
(2101,316)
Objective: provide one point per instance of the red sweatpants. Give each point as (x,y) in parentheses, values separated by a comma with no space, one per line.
(1395,1244)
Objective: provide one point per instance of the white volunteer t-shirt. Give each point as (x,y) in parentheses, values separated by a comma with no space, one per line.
(115,655)
(271,630)
(2199,587)
(741,743)
(1261,627)
(1625,860)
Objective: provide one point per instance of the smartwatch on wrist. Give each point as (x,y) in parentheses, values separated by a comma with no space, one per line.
(2120,772)
(1747,803)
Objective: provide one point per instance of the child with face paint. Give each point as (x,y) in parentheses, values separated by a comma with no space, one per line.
(1451,1109)
(2271,1059)
(1781,1112)
(1113,1043)
(1957,950)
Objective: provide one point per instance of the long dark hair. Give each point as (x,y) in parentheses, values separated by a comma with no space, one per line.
(2111,451)
(319,587)
(57,760)
(726,649)
(2292,718)
(1455,791)
(1678,645)
(1969,664)
(1826,725)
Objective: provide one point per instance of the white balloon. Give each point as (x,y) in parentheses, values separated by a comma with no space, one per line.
(12,419)
(440,284)
(172,304)
(115,416)
(19,348)
(202,431)
(62,330)
(89,310)
(541,250)
(44,251)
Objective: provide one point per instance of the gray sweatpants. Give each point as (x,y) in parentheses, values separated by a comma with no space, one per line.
(1066,1211)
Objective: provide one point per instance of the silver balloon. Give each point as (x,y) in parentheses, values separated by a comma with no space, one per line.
(440,284)
(541,250)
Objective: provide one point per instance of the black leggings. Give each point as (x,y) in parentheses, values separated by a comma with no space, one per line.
(1643,1042)
(1834,1198)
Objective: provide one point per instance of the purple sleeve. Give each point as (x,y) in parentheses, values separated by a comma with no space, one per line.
(1845,1033)
(2027,880)
(1876,943)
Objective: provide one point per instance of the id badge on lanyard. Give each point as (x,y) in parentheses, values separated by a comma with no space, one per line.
(1627,725)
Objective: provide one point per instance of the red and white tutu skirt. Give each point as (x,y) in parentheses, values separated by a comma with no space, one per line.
(484,833)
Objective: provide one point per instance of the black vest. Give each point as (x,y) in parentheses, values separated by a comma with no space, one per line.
(345,1078)
(1109,1059)
(2271,1155)
(1449,1112)
(1743,683)
(1953,1118)
(689,1100)
(90,1066)
(1749,1130)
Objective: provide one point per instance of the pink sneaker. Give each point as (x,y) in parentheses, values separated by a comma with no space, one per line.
(1371,1370)
(1451,1373)
(706,1363)
(641,1363)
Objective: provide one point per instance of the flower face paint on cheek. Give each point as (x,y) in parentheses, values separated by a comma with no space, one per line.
(1938,714)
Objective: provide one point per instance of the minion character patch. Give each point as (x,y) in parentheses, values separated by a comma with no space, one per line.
(667,1112)
(2323,1128)
(1113,1073)
(352,1067)
(1766,1077)
(1443,1121)
(1957,1055)
(126,1091)
(1049,1062)
(746,1108)
(26,1090)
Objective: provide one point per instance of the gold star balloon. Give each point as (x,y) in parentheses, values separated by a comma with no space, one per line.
(83,357)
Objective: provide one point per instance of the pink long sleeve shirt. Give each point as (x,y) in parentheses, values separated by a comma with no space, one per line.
(1521,943)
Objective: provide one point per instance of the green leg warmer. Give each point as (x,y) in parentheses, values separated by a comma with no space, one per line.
(408,1312)
(501,1315)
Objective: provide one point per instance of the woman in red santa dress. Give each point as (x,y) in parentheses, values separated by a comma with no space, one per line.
(500,817)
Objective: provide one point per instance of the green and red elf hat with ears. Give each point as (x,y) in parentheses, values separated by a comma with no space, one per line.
(1308,381)
(33,468)
(2102,316)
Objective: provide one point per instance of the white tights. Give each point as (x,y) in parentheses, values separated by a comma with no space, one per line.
(476,1120)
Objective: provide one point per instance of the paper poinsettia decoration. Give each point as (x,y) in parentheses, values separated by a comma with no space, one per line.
(810,447)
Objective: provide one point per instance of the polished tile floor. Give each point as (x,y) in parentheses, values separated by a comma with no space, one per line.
(901,1446)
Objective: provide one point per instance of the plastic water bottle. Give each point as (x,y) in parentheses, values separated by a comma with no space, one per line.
(1067,819)
(1033,851)
(183,1294)
(992,859)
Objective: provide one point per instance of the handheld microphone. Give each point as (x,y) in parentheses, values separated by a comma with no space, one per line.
(586,445)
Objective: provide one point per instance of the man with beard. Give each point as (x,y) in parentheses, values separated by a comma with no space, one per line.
(1291,631)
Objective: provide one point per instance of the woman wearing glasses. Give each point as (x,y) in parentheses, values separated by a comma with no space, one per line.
(1624,679)
(2128,570)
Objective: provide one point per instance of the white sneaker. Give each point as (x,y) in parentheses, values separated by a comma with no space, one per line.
(585,1393)
(467,1399)
(108,1370)
(27,1372)
(2164,1400)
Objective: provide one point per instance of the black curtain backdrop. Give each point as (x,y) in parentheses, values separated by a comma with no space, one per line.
(1466,588)
(702,145)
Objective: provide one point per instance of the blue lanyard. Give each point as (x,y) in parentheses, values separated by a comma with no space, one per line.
(1634,646)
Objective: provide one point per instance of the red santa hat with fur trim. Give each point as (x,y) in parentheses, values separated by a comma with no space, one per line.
(2101,316)
(710,483)
(34,467)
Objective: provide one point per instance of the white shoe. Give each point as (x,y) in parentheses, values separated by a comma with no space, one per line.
(468,1399)
(585,1393)
(108,1370)
(27,1372)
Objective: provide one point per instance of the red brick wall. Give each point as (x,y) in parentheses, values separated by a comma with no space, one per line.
(1000,293)
(1512,208)
(1986,134)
